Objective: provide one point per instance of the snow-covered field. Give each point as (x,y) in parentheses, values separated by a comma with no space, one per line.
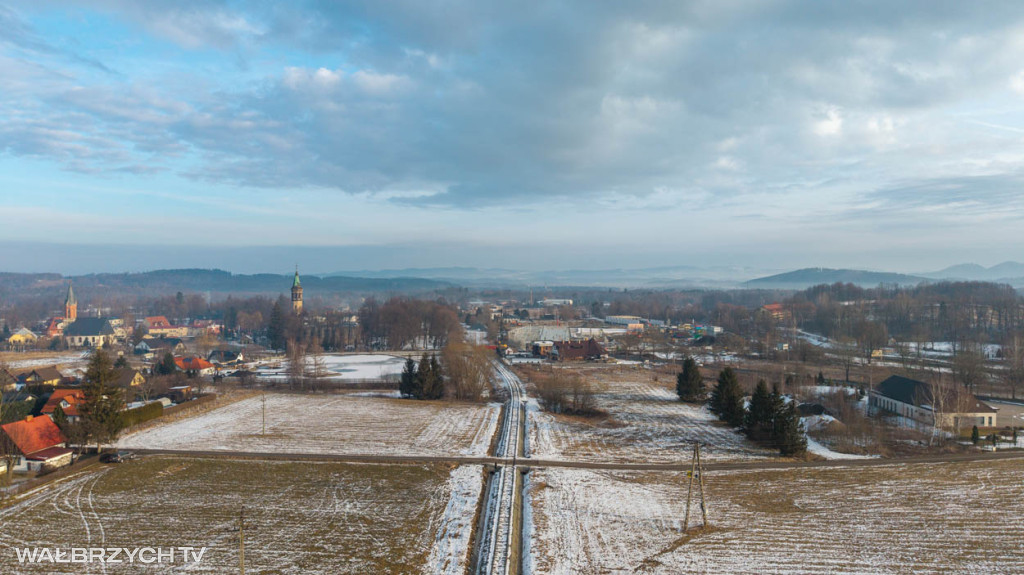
(648,424)
(62,359)
(894,519)
(337,424)
(313,518)
(341,367)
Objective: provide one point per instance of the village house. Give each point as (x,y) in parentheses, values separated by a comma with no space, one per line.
(587,350)
(89,332)
(69,400)
(917,402)
(48,375)
(36,444)
(225,357)
(194,364)
(159,326)
(22,338)
(128,377)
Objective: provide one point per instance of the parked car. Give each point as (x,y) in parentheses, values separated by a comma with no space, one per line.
(119,457)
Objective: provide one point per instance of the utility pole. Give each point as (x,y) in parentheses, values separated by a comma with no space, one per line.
(696,472)
(241,541)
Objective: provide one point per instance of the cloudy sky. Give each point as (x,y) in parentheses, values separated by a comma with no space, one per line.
(885,135)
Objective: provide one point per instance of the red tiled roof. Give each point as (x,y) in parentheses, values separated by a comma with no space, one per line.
(34,434)
(49,453)
(192,363)
(773,307)
(158,321)
(73,396)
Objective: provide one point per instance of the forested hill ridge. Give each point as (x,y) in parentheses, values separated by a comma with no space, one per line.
(807,277)
(204,280)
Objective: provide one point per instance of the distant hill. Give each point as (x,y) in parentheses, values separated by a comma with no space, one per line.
(801,279)
(655,277)
(1006,272)
(215,281)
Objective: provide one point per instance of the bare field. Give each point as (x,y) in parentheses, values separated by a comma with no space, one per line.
(935,518)
(330,424)
(301,517)
(646,423)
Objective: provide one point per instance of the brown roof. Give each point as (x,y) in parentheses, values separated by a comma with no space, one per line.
(49,453)
(125,375)
(33,434)
(577,350)
(48,373)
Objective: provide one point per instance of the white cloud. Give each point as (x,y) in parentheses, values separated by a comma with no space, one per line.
(831,124)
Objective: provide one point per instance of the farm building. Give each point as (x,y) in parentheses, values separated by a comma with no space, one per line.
(945,407)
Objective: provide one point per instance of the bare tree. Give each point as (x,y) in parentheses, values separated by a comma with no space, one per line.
(315,366)
(296,364)
(468,369)
(969,367)
(1013,375)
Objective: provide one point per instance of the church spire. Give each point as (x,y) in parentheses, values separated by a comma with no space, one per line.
(71,305)
(296,293)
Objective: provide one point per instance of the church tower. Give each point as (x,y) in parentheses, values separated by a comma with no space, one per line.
(296,293)
(71,305)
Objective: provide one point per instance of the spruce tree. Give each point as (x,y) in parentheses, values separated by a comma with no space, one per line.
(59,418)
(760,420)
(727,398)
(166,365)
(101,410)
(793,440)
(975,436)
(407,385)
(689,383)
(277,328)
(121,362)
(422,378)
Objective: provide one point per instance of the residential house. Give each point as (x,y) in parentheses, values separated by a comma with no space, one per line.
(47,375)
(69,401)
(225,357)
(22,338)
(89,332)
(158,326)
(587,350)
(180,394)
(17,404)
(194,364)
(160,345)
(36,443)
(777,311)
(128,377)
(947,407)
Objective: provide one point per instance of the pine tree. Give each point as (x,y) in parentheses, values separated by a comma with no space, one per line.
(793,440)
(277,328)
(760,420)
(59,418)
(433,382)
(121,362)
(727,398)
(166,365)
(422,376)
(101,409)
(689,383)
(975,435)
(407,385)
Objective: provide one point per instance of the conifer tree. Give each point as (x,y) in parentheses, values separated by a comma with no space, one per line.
(101,410)
(407,385)
(727,398)
(433,383)
(277,328)
(422,377)
(59,418)
(975,436)
(760,420)
(793,440)
(689,383)
(166,365)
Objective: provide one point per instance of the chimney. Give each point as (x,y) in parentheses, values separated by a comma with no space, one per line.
(28,418)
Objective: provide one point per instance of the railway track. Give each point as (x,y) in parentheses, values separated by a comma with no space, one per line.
(499,544)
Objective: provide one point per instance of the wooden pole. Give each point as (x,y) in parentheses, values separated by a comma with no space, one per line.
(703,503)
(241,541)
(689,492)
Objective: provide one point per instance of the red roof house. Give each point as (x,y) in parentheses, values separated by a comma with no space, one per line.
(68,400)
(579,350)
(37,442)
(192,364)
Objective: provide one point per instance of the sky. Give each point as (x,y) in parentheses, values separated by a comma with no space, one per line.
(252,136)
